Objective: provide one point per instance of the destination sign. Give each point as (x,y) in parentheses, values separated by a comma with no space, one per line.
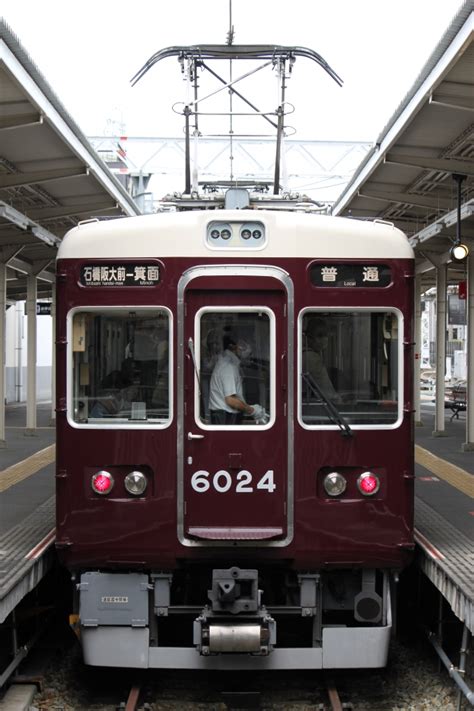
(120,274)
(342,274)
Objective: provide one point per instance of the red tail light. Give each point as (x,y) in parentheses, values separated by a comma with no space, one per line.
(102,482)
(368,483)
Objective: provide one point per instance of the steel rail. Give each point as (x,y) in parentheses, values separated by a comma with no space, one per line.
(333,695)
(132,701)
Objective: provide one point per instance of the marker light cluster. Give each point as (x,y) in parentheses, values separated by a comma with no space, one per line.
(250,231)
(135,483)
(224,233)
(335,484)
(236,235)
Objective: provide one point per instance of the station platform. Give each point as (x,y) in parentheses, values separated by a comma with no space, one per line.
(444,508)
(27,505)
(444,511)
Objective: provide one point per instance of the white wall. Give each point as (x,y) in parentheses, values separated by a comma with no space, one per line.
(16,340)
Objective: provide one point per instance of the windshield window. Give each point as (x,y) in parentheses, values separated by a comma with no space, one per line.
(352,359)
(120,367)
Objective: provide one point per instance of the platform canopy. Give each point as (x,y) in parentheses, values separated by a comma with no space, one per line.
(50,177)
(409,177)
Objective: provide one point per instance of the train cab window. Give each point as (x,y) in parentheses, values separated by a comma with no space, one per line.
(350,365)
(120,374)
(235,359)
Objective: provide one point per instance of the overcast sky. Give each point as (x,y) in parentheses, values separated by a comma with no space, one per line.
(89,50)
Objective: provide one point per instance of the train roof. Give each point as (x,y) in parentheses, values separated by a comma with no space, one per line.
(185,234)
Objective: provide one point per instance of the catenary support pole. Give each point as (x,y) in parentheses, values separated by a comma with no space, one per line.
(417,353)
(468,445)
(3,304)
(441,289)
(31,355)
(53,358)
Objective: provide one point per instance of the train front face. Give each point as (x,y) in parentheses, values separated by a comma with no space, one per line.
(202,533)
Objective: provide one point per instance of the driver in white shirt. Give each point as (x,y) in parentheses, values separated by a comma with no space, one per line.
(227,404)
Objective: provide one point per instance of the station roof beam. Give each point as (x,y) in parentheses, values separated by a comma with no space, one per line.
(50,176)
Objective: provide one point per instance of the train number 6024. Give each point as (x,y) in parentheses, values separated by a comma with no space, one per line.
(222,481)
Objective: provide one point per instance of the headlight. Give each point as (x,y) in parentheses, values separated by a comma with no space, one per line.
(102,482)
(368,483)
(334,484)
(135,483)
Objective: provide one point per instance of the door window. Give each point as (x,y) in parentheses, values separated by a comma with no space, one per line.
(234,360)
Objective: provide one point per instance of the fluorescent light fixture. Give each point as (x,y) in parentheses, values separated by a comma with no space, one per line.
(45,235)
(14,216)
(466,211)
(431,231)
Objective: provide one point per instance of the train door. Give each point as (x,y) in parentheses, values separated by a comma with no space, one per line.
(236,468)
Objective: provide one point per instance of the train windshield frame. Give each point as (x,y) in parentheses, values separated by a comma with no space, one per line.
(352,357)
(119,371)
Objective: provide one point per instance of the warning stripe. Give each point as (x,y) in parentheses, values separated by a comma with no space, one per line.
(457,477)
(40,547)
(22,470)
(428,547)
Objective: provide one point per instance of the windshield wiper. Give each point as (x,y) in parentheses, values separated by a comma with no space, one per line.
(334,413)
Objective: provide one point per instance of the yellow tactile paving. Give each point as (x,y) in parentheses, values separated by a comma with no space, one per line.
(17,472)
(457,477)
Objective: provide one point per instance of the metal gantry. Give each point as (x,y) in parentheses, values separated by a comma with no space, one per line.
(152,165)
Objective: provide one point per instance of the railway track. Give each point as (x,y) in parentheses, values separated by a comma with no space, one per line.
(411,677)
(334,699)
(235,701)
(231,701)
(133,698)
(68,684)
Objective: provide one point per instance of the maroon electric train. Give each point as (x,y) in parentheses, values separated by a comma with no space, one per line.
(235,433)
(269,541)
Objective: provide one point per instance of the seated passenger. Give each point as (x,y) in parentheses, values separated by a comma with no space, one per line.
(316,335)
(115,395)
(108,404)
